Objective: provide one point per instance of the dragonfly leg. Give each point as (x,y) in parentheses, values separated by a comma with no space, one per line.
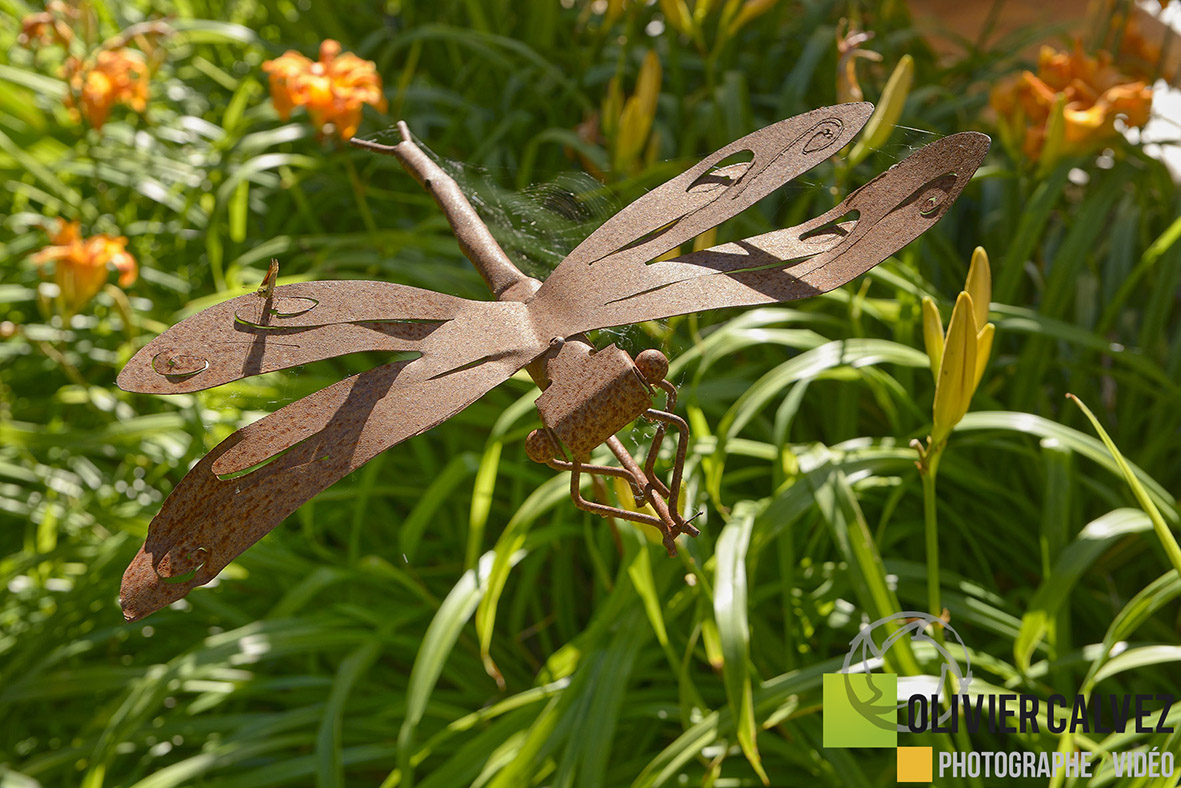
(603,470)
(670,419)
(671,522)
(670,404)
(576,468)
(543,448)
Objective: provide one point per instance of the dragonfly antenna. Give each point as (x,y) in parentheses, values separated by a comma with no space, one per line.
(475,239)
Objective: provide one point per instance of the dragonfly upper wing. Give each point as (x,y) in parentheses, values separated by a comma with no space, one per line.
(706,195)
(709,193)
(265,471)
(872,223)
(296,324)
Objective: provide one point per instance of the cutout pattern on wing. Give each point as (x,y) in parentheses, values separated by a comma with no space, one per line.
(868,226)
(301,323)
(207,520)
(265,471)
(704,196)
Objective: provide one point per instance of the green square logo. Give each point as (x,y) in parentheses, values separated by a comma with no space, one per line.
(860,710)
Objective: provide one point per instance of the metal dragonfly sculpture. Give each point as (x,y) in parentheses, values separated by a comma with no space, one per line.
(255,478)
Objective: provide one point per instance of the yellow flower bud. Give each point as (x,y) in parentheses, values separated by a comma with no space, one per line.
(639,111)
(676,13)
(933,334)
(959,358)
(627,500)
(979,285)
(983,351)
(889,109)
(957,372)
(749,11)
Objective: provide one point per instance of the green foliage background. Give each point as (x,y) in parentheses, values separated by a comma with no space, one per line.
(351,645)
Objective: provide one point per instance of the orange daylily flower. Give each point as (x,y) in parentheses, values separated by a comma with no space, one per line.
(849,43)
(1145,52)
(1091,91)
(51,26)
(44,28)
(80,264)
(332,89)
(118,76)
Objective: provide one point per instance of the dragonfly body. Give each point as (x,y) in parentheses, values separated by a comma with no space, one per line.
(262,473)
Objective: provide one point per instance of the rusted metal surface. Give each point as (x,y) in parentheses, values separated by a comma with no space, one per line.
(784,265)
(474,237)
(594,394)
(264,472)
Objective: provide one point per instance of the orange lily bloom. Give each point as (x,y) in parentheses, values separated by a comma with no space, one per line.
(51,26)
(80,264)
(118,76)
(44,28)
(332,89)
(1144,52)
(1092,93)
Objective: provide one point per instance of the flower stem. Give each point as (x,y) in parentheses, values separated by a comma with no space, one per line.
(359,193)
(928,469)
(932,530)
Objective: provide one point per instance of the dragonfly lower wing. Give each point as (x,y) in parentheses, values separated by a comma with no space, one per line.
(225,504)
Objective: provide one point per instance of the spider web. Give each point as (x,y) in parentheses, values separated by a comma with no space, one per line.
(539,225)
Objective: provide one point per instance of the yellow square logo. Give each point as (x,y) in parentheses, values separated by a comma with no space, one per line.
(915,765)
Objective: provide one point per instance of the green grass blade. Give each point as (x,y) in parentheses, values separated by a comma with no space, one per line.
(1071,564)
(329,763)
(440,638)
(511,541)
(1167,539)
(730,609)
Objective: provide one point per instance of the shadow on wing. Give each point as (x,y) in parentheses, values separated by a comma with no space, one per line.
(872,223)
(299,323)
(719,187)
(255,478)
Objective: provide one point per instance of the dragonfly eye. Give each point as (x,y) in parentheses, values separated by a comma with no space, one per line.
(653,365)
(541,447)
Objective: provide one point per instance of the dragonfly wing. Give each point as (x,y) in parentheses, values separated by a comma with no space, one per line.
(704,196)
(224,504)
(871,224)
(299,323)
(265,471)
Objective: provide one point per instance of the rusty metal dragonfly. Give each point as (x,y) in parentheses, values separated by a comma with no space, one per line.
(255,478)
